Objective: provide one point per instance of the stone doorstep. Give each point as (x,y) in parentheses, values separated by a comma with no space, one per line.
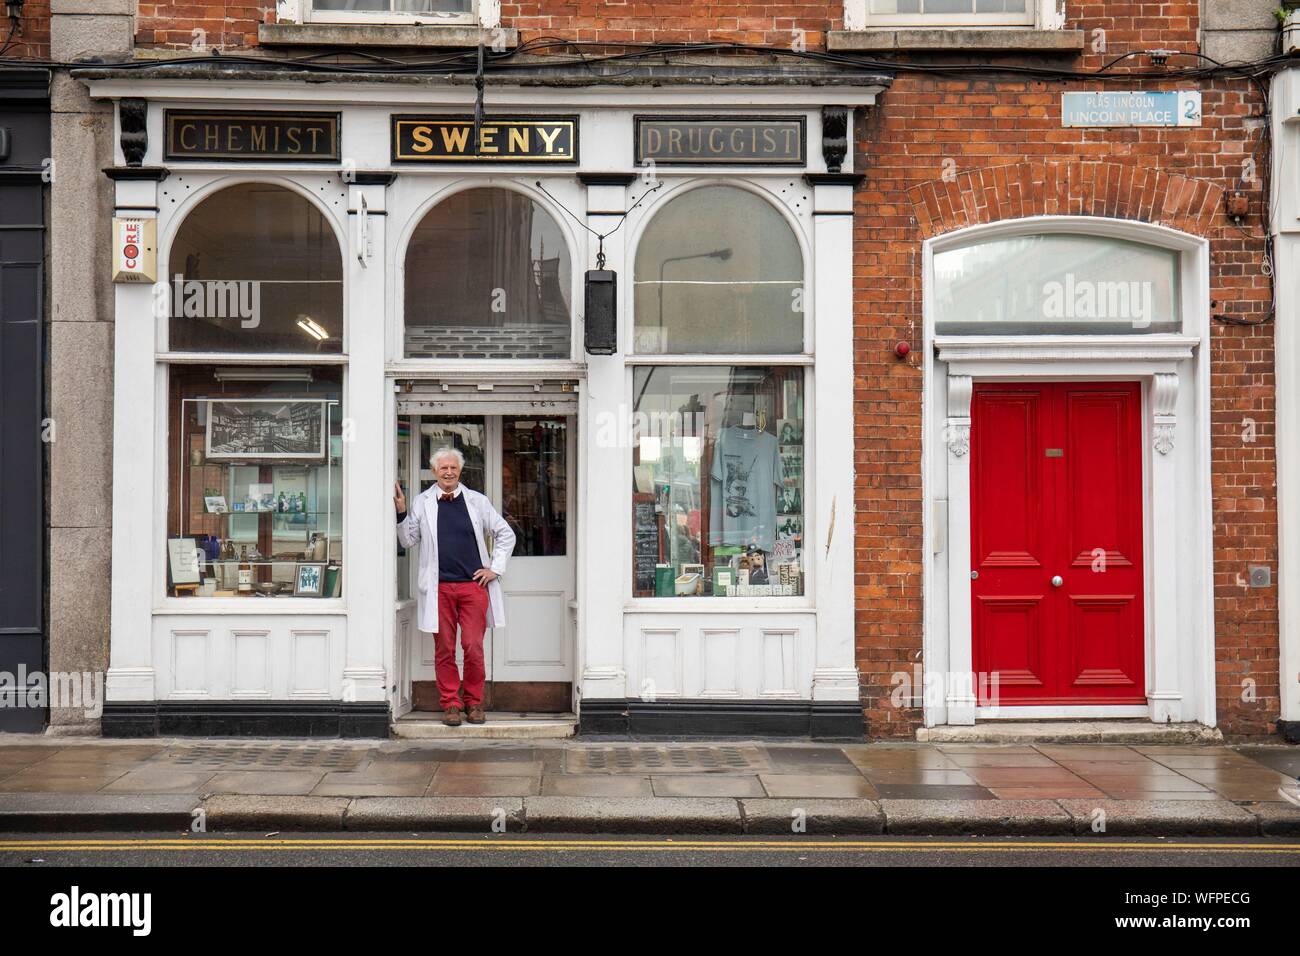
(646,815)
(430,726)
(1120,733)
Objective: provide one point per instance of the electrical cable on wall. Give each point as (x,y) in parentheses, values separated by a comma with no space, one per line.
(479,63)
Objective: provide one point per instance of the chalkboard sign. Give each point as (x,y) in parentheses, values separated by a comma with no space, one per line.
(645,544)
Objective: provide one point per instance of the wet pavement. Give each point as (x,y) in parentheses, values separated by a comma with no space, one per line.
(748,769)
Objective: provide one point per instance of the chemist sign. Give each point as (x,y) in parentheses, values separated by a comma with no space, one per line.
(1176,108)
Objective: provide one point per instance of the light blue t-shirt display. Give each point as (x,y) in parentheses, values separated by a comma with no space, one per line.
(746,477)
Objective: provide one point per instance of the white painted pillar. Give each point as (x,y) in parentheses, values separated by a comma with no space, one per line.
(1287,350)
(1286,344)
(1164,698)
(835,672)
(959,682)
(139,544)
(605,465)
(367,500)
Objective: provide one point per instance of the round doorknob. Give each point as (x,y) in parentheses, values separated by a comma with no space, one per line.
(1057,581)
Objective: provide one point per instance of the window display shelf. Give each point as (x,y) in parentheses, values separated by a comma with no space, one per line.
(258,564)
(284,514)
(262,501)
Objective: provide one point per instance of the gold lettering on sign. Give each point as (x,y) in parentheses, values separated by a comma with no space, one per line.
(230,138)
(518,139)
(769,137)
(715,140)
(674,141)
(485,136)
(315,131)
(549,140)
(292,135)
(211,138)
(188,128)
(257,139)
(454,139)
(420,139)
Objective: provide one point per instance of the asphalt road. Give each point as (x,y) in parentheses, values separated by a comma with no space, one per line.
(465,850)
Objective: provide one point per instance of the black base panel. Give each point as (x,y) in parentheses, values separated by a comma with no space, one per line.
(823,720)
(167,718)
(1289,729)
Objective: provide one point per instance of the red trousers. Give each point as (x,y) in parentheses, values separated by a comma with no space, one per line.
(463,604)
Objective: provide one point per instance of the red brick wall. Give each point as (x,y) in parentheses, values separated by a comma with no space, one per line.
(1007,156)
(232,24)
(683,21)
(34,41)
(225,25)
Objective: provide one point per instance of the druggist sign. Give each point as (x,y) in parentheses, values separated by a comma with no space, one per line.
(135,250)
(1134,108)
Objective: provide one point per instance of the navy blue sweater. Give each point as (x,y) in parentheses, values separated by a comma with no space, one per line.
(457,550)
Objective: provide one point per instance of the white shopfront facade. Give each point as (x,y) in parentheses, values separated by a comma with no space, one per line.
(776,660)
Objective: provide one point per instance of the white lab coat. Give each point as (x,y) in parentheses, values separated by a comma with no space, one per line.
(421,527)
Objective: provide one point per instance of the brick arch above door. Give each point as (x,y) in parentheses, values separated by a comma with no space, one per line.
(1112,190)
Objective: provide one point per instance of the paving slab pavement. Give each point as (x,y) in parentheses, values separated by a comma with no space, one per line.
(589,785)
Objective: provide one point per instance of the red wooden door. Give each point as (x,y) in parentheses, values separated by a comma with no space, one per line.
(1056,543)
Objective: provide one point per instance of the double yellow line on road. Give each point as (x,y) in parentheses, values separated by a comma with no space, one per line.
(641,845)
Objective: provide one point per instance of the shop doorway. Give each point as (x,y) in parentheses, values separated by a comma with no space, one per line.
(1057,543)
(525,464)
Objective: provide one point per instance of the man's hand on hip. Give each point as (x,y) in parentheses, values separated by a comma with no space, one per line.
(485,576)
(399,499)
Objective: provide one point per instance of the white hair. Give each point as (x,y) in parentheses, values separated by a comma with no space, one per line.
(446,451)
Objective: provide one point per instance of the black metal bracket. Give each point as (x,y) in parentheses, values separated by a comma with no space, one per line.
(133,118)
(835,136)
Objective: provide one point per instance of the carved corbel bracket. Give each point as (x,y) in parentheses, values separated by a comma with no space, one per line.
(1164,398)
(957,437)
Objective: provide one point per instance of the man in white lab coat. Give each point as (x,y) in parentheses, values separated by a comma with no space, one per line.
(458,584)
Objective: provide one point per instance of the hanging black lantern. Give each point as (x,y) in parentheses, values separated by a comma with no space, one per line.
(600,317)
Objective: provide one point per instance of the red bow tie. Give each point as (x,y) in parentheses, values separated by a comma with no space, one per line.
(447,496)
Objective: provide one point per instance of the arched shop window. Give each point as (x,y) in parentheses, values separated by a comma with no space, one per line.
(256,268)
(718,444)
(487,276)
(255,452)
(1056,283)
(718,270)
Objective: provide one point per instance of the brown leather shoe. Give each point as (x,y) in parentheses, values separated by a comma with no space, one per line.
(476,715)
(451,716)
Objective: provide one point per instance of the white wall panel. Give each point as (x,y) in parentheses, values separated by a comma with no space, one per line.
(264,656)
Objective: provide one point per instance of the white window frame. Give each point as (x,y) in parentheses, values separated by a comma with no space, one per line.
(170,225)
(804,358)
(1042,15)
(485,13)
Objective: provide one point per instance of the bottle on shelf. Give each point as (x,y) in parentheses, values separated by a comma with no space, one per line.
(245,571)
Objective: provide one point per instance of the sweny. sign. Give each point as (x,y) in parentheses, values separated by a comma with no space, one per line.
(516,139)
